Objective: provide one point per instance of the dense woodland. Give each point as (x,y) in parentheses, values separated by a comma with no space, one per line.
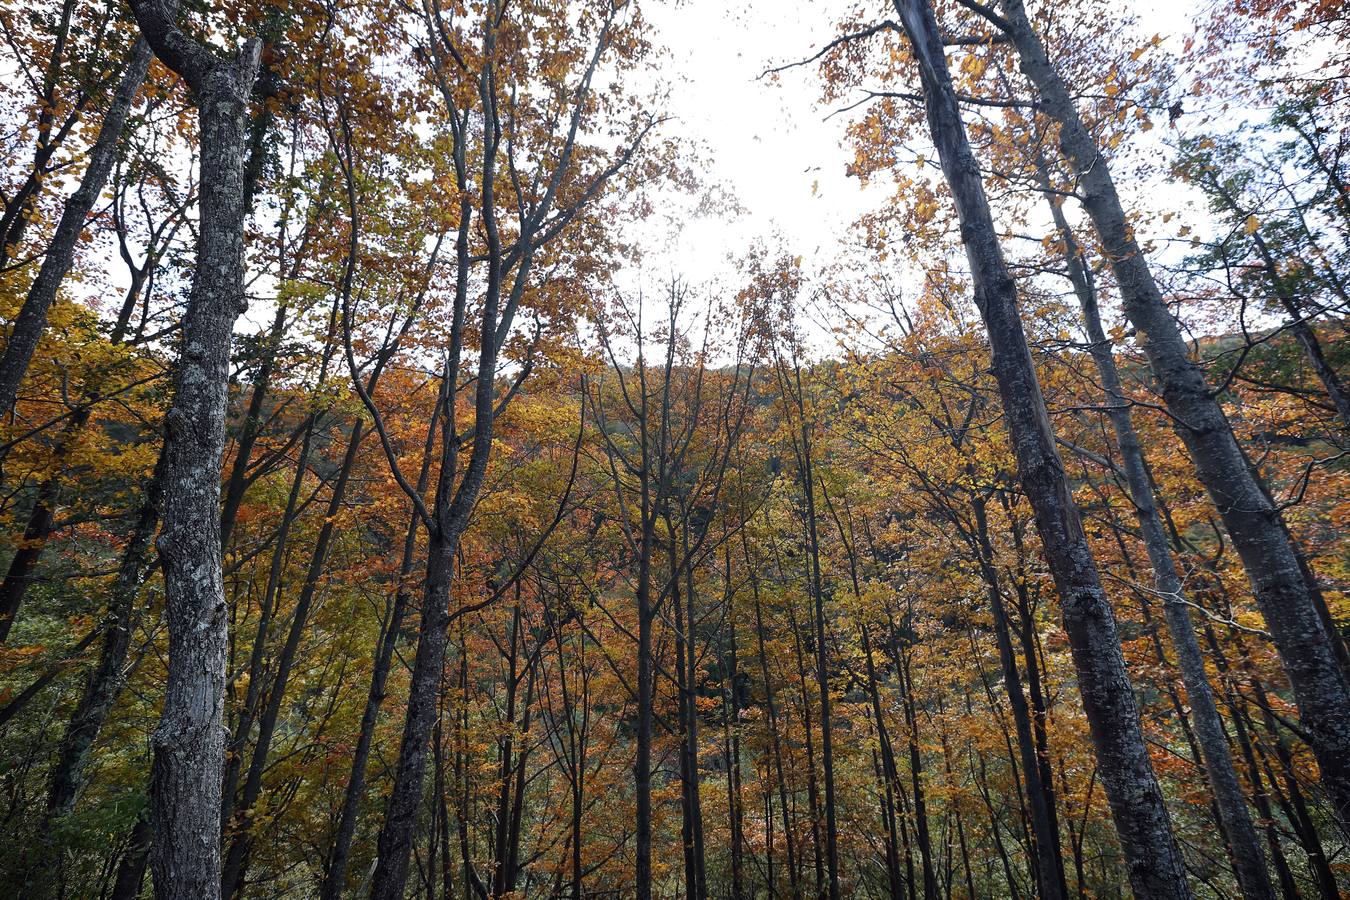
(380,515)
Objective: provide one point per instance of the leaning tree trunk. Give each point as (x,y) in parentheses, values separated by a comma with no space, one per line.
(189,743)
(32,319)
(1280,583)
(1249,861)
(1151,854)
(106,680)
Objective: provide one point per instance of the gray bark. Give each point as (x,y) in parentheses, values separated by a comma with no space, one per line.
(1247,856)
(106,680)
(1281,586)
(1151,854)
(189,742)
(32,319)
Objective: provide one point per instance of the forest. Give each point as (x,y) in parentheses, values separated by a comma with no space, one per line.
(390,507)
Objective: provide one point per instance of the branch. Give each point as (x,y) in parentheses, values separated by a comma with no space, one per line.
(10,709)
(974,40)
(987,13)
(887,25)
(191,59)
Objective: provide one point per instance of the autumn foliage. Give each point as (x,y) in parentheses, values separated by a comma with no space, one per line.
(540,575)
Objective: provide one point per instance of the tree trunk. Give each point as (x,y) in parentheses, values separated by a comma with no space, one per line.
(237,483)
(189,743)
(1049,866)
(25,561)
(1268,553)
(1304,334)
(232,875)
(391,870)
(775,741)
(806,481)
(32,319)
(1151,854)
(642,765)
(1247,857)
(253,694)
(336,875)
(131,868)
(105,681)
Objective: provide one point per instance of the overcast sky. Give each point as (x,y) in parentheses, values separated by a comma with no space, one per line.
(764,139)
(768,140)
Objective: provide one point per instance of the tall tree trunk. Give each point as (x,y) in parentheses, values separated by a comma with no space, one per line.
(731,739)
(684,703)
(1049,866)
(775,740)
(336,874)
(922,833)
(106,680)
(812,783)
(32,319)
(20,205)
(1248,859)
(1151,854)
(1304,334)
(806,481)
(506,758)
(131,867)
(691,733)
(232,874)
(237,482)
(253,694)
(642,764)
(1298,319)
(682,603)
(1272,560)
(189,743)
(395,845)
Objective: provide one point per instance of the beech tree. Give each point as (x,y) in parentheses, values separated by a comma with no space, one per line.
(189,742)
(1137,805)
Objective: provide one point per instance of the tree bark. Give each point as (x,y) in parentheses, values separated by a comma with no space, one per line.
(189,742)
(1269,555)
(1152,857)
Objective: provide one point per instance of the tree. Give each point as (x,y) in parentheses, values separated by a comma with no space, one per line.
(190,740)
(1137,805)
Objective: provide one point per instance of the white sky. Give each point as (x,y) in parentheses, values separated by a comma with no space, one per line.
(769,141)
(763,139)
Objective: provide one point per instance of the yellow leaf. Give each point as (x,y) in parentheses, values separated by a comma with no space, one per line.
(1251,225)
